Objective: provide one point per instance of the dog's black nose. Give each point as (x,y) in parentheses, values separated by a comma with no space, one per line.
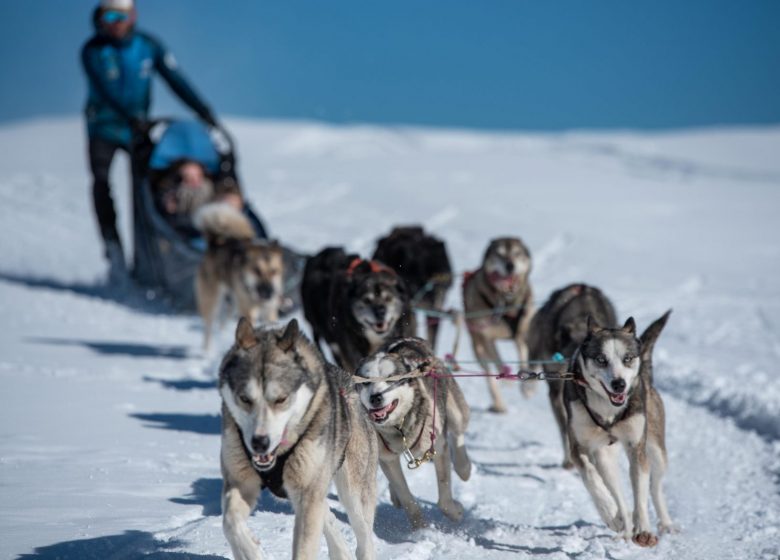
(265,290)
(510,267)
(379,311)
(618,385)
(261,443)
(375,400)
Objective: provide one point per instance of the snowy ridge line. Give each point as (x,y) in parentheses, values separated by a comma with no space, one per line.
(664,164)
(720,398)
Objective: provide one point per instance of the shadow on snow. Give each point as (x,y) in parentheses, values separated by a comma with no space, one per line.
(130,545)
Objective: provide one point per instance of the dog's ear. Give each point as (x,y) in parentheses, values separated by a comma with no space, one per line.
(593,325)
(652,333)
(245,334)
(287,339)
(630,326)
(413,353)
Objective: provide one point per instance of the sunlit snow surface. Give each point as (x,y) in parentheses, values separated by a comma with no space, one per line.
(109,419)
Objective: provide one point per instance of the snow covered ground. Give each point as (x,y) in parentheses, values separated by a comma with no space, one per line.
(108,413)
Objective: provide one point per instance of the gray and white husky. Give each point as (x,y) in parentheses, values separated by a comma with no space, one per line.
(560,326)
(291,423)
(498,305)
(402,413)
(613,400)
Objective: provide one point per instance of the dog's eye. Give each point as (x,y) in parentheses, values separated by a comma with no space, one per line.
(627,359)
(601,360)
(280,401)
(244,399)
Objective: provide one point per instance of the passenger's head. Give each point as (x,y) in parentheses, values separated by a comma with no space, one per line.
(192,174)
(117,17)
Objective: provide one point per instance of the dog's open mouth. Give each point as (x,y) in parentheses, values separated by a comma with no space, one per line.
(504,283)
(617,399)
(264,462)
(379,415)
(381,327)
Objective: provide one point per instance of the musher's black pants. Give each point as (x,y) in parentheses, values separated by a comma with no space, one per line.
(101,154)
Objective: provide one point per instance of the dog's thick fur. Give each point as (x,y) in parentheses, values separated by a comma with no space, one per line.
(367,304)
(560,326)
(405,410)
(236,265)
(319,276)
(613,400)
(501,285)
(421,260)
(291,422)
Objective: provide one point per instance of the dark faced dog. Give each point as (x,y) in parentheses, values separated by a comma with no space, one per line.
(354,305)
(560,326)
(319,275)
(421,260)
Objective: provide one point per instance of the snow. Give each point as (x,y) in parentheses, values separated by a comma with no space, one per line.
(109,426)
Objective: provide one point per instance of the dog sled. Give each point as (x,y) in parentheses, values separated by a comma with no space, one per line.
(166,259)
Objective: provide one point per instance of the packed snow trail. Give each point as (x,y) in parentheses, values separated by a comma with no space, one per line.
(109,417)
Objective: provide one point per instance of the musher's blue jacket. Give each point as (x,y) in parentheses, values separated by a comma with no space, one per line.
(119,73)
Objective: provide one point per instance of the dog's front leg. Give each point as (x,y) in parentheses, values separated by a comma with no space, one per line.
(606,461)
(238,500)
(485,352)
(310,507)
(594,484)
(398,486)
(527,388)
(449,507)
(337,547)
(640,483)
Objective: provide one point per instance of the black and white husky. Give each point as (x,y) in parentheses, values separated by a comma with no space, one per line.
(406,412)
(612,400)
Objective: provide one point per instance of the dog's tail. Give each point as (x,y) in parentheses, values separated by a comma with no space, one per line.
(221,222)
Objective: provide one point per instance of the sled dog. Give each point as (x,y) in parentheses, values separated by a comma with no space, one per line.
(421,260)
(560,326)
(498,305)
(613,400)
(291,423)
(236,266)
(411,418)
(367,304)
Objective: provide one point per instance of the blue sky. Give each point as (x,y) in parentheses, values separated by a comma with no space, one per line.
(545,65)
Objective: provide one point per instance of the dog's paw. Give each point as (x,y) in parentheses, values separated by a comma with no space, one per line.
(567,464)
(645,538)
(452,509)
(498,408)
(668,528)
(417,521)
(618,525)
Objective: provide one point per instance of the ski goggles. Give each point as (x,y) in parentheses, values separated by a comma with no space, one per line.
(114,16)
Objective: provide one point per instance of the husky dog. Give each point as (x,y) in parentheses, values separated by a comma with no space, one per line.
(367,304)
(291,422)
(238,266)
(319,275)
(613,400)
(560,326)
(421,260)
(403,413)
(498,305)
